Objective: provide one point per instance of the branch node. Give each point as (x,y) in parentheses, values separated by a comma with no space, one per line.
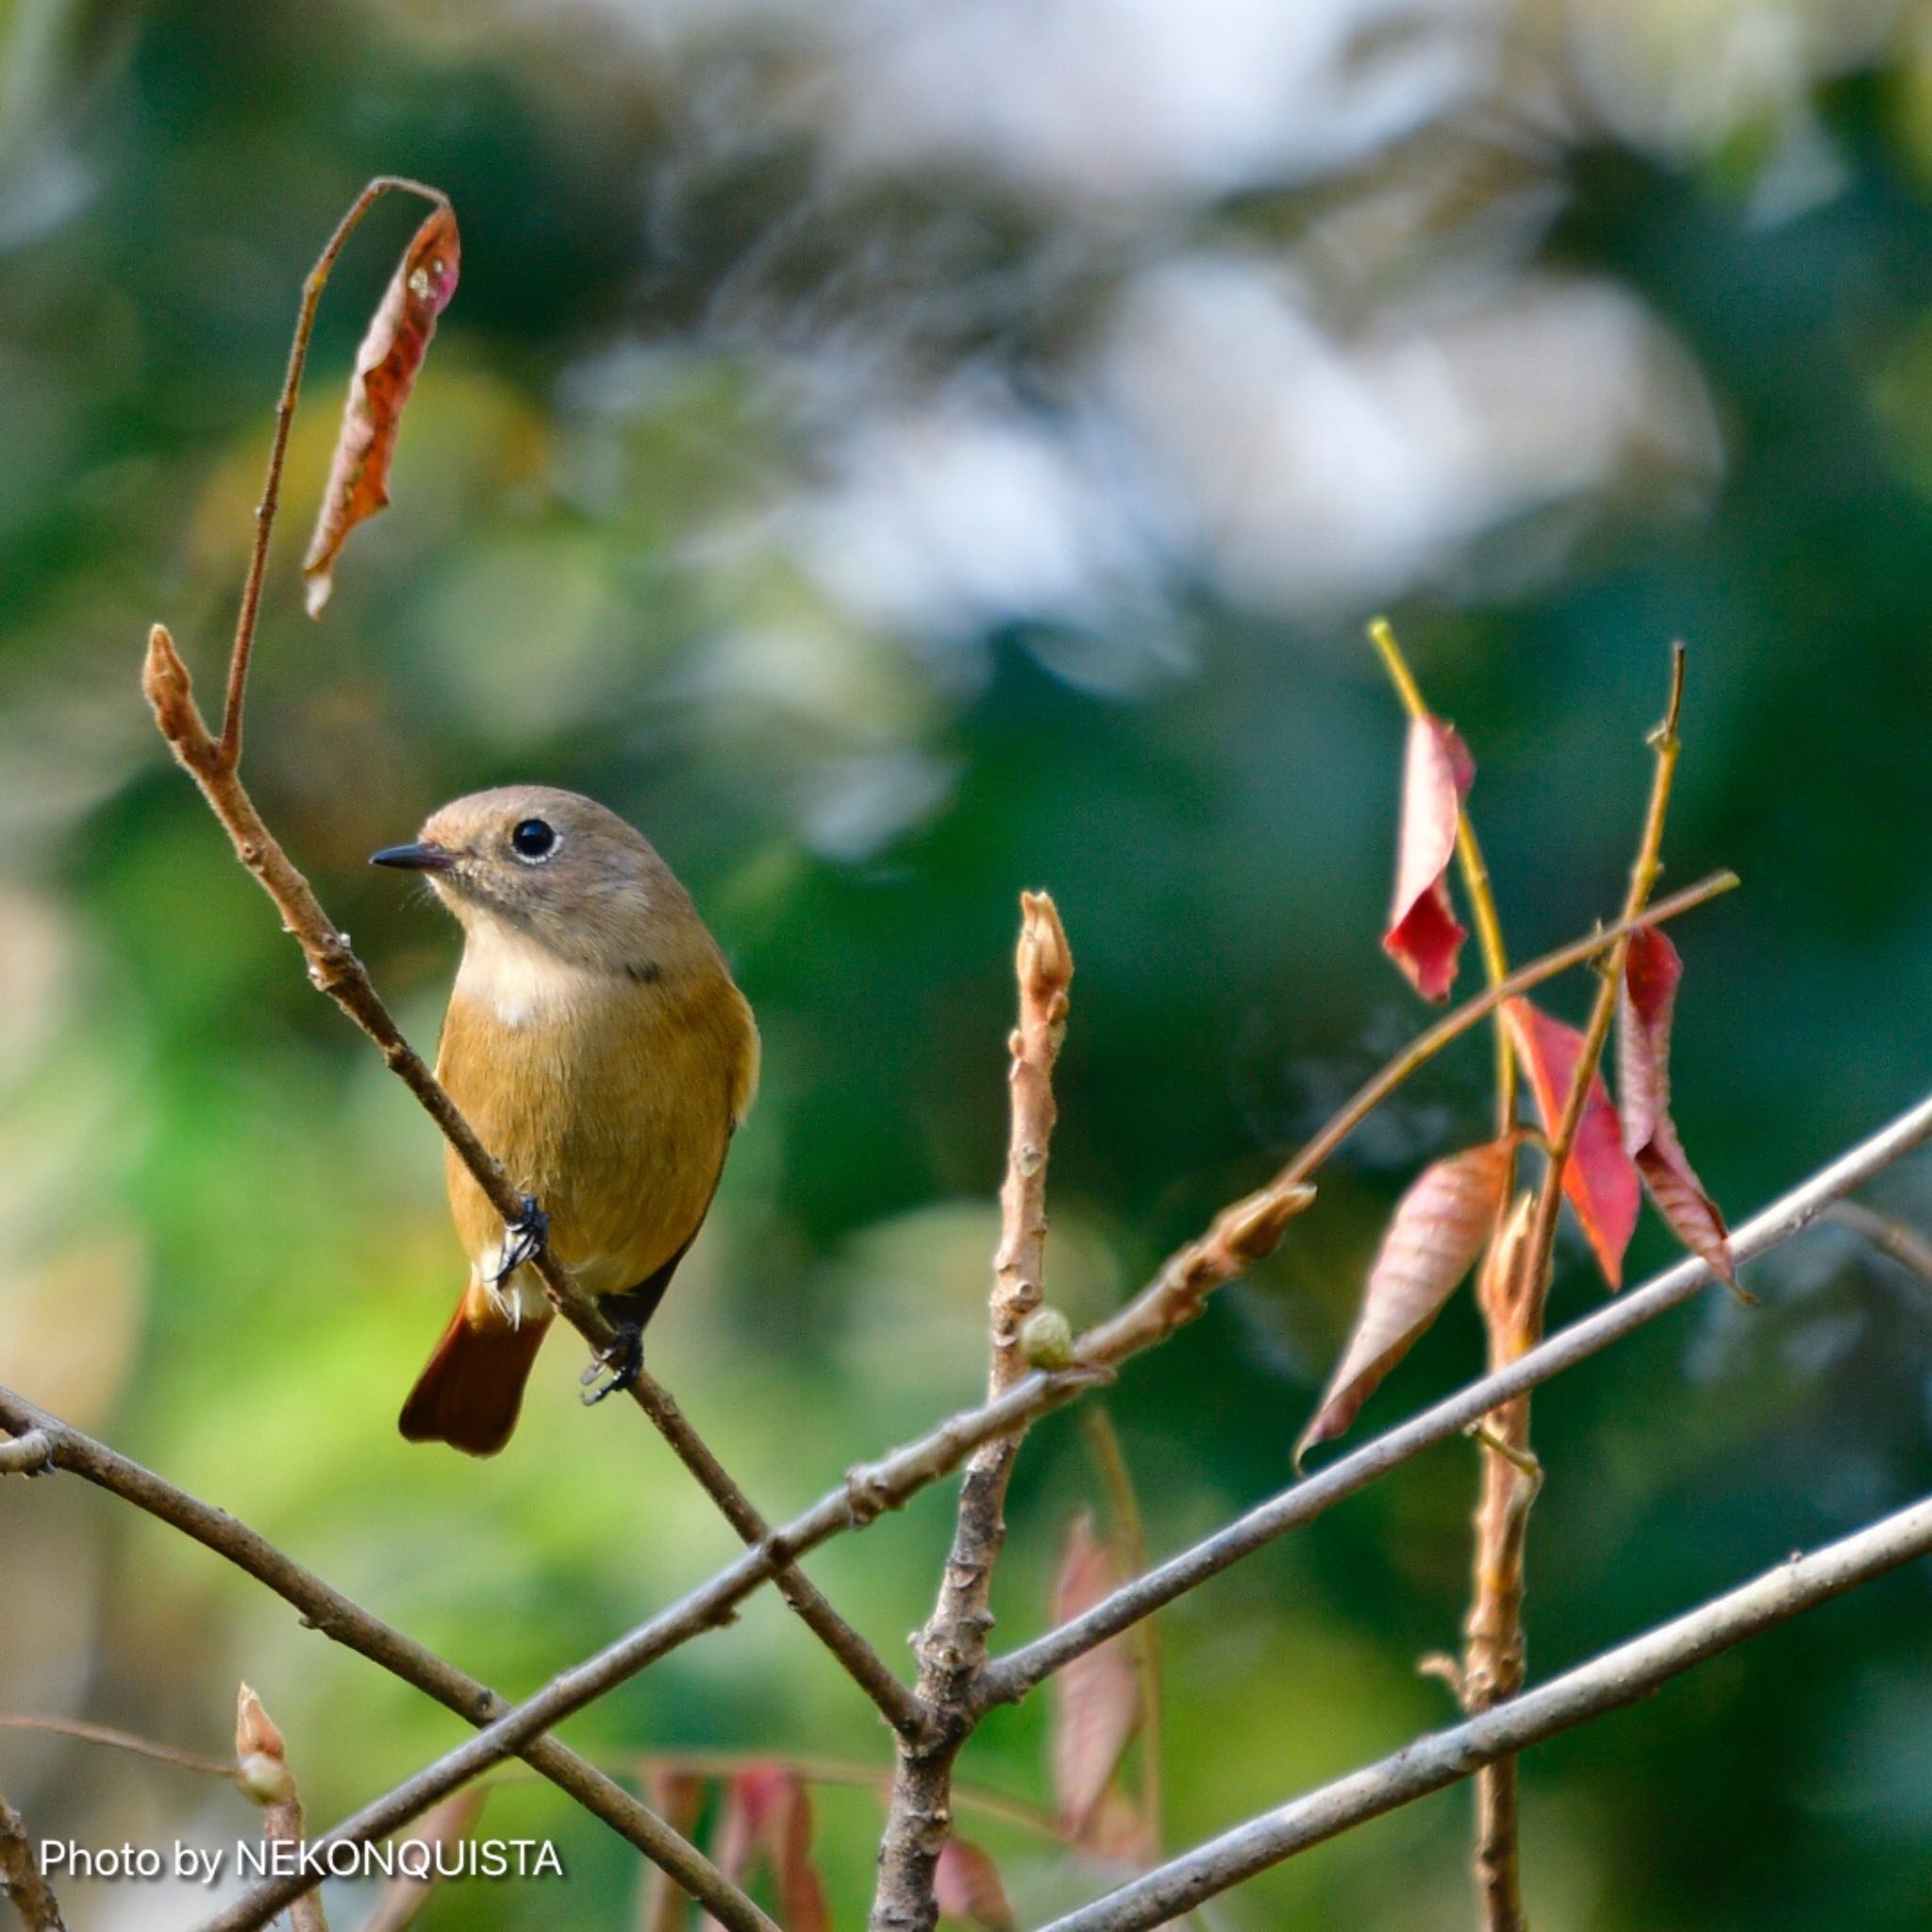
(30,1454)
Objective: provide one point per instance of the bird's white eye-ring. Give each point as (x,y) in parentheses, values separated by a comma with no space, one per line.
(533,841)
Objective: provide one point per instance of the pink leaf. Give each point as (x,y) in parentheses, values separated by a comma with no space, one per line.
(1439,1229)
(1646,1001)
(1424,936)
(1097,1696)
(1598,1178)
(386,367)
(768,1817)
(967,1886)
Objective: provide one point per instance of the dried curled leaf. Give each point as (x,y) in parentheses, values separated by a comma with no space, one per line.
(386,367)
(1097,1696)
(1439,1229)
(1646,1001)
(1424,937)
(768,1816)
(1599,1178)
(967,1887)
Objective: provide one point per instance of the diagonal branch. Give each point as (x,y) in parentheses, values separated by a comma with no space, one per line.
(1010,1677)
(1249,1229)
(346,1622)
(285,415)
(952,1647)
(335,970)
(20,1878)
(1608,1683)
(1173,1296)
(214,765)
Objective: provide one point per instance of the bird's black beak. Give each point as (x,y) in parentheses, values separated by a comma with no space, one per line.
(414,857)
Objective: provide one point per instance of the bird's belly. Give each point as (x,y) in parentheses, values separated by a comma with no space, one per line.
(614,1124)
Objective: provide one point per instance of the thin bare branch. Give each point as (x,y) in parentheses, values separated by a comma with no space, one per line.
(952,1647)
(230,747)
(1249,1229)
(1618,1678)
(1893,1238)
(346,1622)
(21,1878)
(1495,1657)
(335,970)
(1010,1677)
(873,1488)
(119,1741)
(263,1771)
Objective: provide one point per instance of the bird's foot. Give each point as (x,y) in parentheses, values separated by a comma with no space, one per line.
(624,1359)
(523,1241)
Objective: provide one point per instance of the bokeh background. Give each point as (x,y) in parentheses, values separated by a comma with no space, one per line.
(901,451)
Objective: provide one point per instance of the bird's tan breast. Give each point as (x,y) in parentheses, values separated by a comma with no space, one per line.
(610,1098)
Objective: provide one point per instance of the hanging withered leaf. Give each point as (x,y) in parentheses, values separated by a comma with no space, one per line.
(404,1899)
(1424,937)
(1097,1696)
(1646,1000)
(386,367)
(1439,1229)
(768,1816)
(1599,1177)
(966,1886)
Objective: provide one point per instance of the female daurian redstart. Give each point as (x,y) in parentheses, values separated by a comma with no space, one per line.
(597,1044)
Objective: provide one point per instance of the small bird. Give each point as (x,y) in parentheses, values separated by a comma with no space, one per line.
(596,1042)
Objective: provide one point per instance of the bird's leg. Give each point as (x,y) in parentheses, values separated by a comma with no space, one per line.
(624,1358)
(523,1241)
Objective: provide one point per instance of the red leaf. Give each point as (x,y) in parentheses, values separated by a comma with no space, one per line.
(1599,1177)
(1424,935)
(1097,1696)
(385,373)
(1439,1229)
(967,1886)
(1645,1003)
(768,1816)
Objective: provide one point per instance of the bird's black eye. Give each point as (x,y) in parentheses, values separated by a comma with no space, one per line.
(532,839)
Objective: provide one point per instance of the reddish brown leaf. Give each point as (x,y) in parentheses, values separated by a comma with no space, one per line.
(1599,1177)
(1116,1833)
(967,1886)
(385,373)
(1645,1002)
(1097,1696)
(768,1817)
(1424,935)
(1439,1229)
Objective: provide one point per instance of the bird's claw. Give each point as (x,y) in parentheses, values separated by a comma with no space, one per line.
(523,1241)
(624,1359)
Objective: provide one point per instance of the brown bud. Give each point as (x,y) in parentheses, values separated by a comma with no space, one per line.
(1253,1227)
(262,1764)
(1046,961)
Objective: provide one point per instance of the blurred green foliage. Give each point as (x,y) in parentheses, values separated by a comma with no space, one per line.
(900,455)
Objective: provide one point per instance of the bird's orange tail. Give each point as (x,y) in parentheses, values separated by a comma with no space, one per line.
(469,1394)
